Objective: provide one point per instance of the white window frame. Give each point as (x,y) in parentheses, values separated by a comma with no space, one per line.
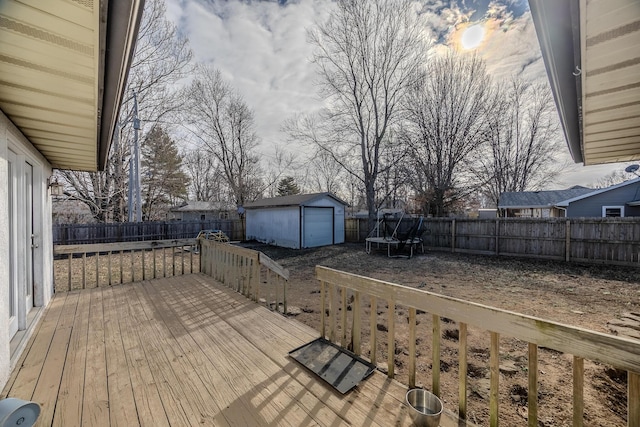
(604,210)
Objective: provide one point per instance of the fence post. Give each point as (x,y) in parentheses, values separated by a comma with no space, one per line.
(567,249)
(497,236)
(453,235)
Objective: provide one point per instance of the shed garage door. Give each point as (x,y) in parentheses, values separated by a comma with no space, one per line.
(318,227)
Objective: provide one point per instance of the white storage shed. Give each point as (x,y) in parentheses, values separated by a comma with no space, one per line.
(298,221)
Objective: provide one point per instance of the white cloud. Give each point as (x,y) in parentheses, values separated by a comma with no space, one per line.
(262,49)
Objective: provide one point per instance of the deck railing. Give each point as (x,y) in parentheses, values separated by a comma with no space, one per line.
(248,272)
(620,352)
(95,265)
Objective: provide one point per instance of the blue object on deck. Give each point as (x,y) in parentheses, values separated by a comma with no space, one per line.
(17,412)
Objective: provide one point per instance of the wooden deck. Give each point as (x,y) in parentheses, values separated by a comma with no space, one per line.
(183,351)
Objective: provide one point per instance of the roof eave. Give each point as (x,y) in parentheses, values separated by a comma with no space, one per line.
(119,26)
(557,26)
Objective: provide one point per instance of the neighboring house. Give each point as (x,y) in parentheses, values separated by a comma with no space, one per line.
(620,200)
(537,204)
(202,211)
(298,221)
(590,50)
(63,68)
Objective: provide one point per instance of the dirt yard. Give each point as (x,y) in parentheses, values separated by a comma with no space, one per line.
(585,296)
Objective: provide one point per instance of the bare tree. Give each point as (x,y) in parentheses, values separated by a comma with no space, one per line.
(325,173)
(221,121)
(367,53)
(162,57)
(445,124)
(613,178)
(204,171)
(523,136)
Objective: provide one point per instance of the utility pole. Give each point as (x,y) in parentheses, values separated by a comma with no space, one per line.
(135,198)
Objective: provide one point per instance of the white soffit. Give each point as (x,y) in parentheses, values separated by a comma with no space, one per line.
(610,38)
(49,76)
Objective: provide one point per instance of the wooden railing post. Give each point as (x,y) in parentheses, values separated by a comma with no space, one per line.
(435,379)
(532,412)
(355,329)
(323,315)
(84,270)
(494,396)
(412,347)
(462,369)
(633,399)
(343,317)
(391,344)
(70,258)
(109,278)
(97,269)
(578,391)
(332,316)
(373,326)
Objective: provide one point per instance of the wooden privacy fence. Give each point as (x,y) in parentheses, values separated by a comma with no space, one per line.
(587,240)
(68,234)
(337,287)
(112,262)
(246,271)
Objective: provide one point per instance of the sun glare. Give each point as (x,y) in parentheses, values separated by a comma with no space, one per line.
(472,36)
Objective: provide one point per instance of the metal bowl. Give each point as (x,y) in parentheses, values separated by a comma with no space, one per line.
(425,408)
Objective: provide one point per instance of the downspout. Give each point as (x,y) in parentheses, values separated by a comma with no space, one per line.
(562,209)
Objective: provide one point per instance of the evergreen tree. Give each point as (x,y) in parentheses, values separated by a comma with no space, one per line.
(287,187)
(163,180)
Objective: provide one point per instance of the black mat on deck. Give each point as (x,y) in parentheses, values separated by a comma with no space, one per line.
(340,368)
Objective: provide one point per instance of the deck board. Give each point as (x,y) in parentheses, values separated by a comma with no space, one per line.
(68,408)
(95,399)
(183,351)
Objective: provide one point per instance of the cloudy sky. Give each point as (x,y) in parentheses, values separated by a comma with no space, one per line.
(261,48)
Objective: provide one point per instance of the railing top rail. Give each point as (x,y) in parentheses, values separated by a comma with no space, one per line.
(620,352)
(274,266)
(250,253)
(121,246)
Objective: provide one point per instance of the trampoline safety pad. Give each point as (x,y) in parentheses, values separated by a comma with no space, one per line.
(338,367)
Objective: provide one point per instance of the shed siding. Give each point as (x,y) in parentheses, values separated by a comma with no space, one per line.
(275,226)
(592,206)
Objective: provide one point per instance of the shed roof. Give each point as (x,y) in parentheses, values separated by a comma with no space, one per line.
(293,200)
(539,199)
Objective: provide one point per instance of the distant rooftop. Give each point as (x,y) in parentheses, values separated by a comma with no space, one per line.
(539,199)
(201,206)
